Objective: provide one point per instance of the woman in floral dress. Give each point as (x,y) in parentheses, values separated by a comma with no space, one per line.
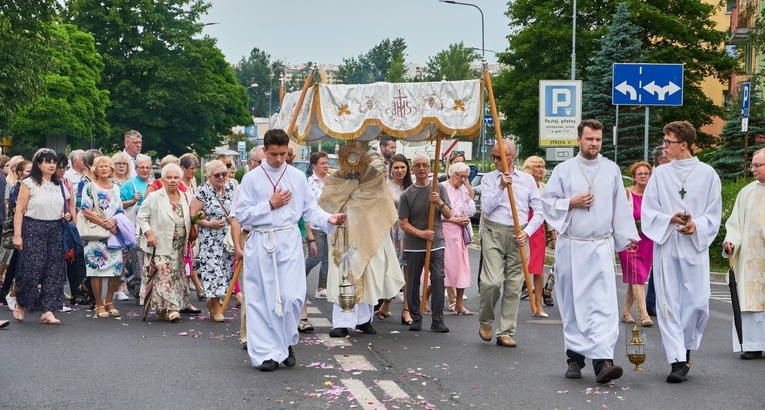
(165,220)
(100,260)
(216,264)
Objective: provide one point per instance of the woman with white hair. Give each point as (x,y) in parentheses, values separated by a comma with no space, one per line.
(165,220)
(456,259)
(216,263)
(100,202)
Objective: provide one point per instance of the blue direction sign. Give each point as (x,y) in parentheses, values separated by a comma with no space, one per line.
(746,92)
(647,84)
(488,120)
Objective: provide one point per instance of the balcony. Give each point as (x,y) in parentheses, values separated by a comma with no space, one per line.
(742,20)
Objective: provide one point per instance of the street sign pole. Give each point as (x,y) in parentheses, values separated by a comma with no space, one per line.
(746,92)
(616,134)
(645,142)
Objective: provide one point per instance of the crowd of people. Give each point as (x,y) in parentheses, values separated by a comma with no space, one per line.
(141,236)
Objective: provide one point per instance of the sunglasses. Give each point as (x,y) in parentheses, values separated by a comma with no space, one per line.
(228,165)
(458,153)
(219,175)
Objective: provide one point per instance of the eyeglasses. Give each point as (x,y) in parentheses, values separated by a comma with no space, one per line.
(421,165)
(47,151)
(219,175)
(461,176)
(670,142)
(499,158)
(228,164)
(643,174)
(119,164)
(143,168)
(458,153)
(756,165)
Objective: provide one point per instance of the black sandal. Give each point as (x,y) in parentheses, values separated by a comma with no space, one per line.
(404,321)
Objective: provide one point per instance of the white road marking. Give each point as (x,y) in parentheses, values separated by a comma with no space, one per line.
(354,362)
(320,322)
(312,310)
(333,341)
(362,395)
(391,389)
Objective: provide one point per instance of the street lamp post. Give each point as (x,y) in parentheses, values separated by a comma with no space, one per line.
(483,43)
(483,54)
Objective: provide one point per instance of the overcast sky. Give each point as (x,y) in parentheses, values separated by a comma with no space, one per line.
(326,31)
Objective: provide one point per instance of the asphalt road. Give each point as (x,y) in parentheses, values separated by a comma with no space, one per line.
(127,363)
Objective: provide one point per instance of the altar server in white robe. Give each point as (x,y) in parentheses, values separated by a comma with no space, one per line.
(372,260)
(584,201)
(272,198)
(685,188)
(745,241)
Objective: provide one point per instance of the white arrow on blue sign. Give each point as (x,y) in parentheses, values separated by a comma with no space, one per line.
(746,93)
(647,84)
(488,120)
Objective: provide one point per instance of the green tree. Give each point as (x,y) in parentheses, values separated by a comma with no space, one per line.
(728,158)
(454,63)
(619,45)
(24,53)
(256,69)
(373,65)
(670,31)
(177,90)
(397,70)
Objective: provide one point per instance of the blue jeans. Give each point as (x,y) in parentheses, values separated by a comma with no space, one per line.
(650,294)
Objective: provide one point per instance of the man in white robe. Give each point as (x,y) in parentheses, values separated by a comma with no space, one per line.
(272,198)
(371,260)
(684,188)
(584,201)
(745,244)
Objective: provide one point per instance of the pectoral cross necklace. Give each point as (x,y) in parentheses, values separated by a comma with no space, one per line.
(589,183)
(682,190)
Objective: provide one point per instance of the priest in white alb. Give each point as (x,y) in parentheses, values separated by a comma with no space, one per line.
(682,207)
(272,198)
(745,244)
(584,201)
(361,193)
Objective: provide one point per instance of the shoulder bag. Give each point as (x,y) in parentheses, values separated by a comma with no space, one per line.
(228,241)
(91,231)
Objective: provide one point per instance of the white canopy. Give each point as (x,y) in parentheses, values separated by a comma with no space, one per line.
(412,111)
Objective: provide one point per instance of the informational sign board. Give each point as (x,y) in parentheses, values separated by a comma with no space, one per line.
(647,84)
(560,112)
(241,146)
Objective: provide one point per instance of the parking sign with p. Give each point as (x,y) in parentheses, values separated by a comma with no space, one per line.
(560,104)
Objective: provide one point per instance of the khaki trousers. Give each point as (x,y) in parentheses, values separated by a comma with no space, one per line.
(502,273)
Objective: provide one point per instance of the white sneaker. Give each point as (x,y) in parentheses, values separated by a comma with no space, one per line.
(121,295)
(464,297)
(11,301)
(65,309)
(321,294)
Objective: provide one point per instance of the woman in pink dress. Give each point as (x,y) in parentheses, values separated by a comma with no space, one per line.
(456,260)
(636,261)
(538,240)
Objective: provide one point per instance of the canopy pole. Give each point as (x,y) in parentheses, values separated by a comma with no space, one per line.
(431,215)
(511,197)
(281,90)
(291,128)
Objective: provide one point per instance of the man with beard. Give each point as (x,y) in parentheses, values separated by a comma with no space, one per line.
(584,201)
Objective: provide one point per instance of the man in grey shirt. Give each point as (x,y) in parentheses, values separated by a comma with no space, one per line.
(413,212)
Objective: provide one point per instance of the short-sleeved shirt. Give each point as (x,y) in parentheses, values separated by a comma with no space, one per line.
(45,200)
(129,188)
(414,204)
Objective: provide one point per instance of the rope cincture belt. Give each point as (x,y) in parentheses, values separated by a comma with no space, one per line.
(268,240)
(576,238)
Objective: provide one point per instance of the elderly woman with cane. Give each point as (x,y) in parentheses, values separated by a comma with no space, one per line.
(165,220)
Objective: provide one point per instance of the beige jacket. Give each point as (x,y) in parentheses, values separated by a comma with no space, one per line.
(156,215)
